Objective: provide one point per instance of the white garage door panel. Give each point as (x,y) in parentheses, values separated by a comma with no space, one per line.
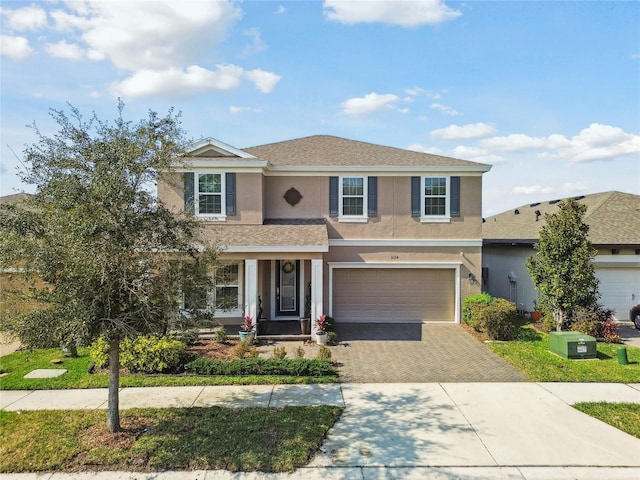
(393,295)
(619,289)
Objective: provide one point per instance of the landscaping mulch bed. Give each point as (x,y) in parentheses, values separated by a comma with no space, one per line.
(215,350)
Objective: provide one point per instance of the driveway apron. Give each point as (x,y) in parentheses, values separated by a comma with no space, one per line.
(416,353)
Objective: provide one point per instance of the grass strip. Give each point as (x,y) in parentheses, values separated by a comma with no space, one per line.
(18,364)
(530,354)
(623,416)
(251,439)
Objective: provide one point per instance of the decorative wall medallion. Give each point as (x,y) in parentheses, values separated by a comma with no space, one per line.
(292,196)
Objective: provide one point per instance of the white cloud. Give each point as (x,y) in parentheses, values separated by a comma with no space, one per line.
(596,142)
(264,81)
(370,103)
(66,50)
(257,44)
(174,33)
(599,142)
(176,81)
(397,12)
(532,190)
(235,109)
(24,19)
(473,154)
(464,132)
(515,142)
(445,109)
(281,10)
(16,48)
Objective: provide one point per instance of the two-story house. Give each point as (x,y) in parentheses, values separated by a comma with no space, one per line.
(361,232)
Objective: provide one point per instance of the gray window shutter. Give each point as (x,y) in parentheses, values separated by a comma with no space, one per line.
(416,197)
(230,193)
(454,196)
(372,196)
(333,196)
(189,191)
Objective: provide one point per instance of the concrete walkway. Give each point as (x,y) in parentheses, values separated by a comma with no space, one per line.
(407,431)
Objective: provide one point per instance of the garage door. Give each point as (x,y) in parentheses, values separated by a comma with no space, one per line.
(619,289)
(380,295)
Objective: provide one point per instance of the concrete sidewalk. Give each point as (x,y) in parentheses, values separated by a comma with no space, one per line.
(407,431)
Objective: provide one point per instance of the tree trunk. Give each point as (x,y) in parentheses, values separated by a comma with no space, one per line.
(113,413)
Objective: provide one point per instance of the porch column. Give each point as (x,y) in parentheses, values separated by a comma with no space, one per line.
(251,289)
(317,286)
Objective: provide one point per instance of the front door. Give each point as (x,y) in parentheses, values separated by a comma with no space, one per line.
(287,288)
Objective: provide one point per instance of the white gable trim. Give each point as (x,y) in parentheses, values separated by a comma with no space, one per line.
(205,144)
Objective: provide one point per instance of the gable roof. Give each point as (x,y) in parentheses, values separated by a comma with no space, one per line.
(613,219)
(330,151)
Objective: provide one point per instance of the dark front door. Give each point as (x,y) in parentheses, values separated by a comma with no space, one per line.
(287,288)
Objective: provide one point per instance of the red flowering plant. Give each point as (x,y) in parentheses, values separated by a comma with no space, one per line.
(247,324)
(321,323)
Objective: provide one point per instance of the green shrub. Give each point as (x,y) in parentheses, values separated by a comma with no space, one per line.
(152,354)
(588,327)
(299,367)
(220,334)
(99,353)
(279,352)
(246,349)
(188,337)
(324,353)
(498,320)
(299,353)
(332,338)
(472,303)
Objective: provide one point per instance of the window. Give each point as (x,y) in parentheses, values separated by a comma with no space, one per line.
(435,196)
(353,192)
(225,296)
(435,199)
(210,194)
(227,290)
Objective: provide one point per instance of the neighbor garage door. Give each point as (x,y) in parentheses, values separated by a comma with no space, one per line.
(383,295)
(619,289)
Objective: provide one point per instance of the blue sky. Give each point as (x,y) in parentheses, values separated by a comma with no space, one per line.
(546,92)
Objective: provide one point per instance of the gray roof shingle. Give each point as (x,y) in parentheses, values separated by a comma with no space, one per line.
(613,219)
(327,150)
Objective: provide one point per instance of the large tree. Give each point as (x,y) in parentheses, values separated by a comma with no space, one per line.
(562,268)
(105,257)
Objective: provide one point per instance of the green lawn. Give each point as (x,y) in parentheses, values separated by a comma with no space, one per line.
(19,363)
(262,439)
(624,416)
(530,354)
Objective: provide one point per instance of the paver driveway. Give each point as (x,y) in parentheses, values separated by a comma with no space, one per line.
(416,353)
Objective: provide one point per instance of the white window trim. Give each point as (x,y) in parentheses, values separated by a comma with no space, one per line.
(446,218)
(217,217)
(363,218)
(236,312)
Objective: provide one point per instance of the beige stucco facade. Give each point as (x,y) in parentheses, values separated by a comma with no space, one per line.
(268,230)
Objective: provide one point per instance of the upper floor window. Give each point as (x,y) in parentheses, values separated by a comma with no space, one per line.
(436,193)
(435,198)
(353,191)
(353,198)
(210,194)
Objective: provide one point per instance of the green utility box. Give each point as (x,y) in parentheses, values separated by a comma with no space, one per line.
(573,345)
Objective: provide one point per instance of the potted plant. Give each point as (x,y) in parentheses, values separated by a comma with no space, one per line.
(321,334)
(535,315)
(246,329)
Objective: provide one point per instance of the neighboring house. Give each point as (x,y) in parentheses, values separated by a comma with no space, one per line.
(361,232)
(614,229)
